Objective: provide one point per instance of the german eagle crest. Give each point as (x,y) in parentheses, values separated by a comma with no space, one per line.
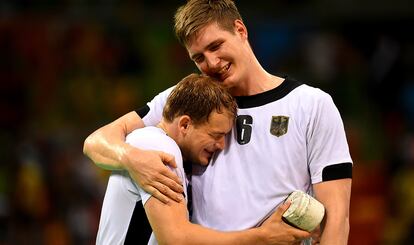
(279,125)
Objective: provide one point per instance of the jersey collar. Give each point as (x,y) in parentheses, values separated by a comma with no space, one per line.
(269,96)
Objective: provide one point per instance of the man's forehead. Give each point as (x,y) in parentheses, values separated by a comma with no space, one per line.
(208,32)
(216,121)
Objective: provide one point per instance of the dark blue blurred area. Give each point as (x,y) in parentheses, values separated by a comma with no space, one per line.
(69,67)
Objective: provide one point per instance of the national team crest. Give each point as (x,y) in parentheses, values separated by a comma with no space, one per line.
(279,125)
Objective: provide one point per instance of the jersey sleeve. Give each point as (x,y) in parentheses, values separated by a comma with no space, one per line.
(151,139)
(151,114)
(328,151)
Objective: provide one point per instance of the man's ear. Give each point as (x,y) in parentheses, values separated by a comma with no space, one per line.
(240,28)
(184,123)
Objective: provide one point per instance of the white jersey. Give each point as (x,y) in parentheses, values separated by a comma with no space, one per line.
(285,139)
(123,193)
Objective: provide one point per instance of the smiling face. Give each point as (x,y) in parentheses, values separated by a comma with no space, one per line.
(222,54)
(200,142)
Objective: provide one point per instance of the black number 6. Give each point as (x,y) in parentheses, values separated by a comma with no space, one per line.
(244,128)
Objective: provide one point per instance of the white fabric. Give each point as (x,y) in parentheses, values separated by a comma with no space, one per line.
(122,192)
(245,183)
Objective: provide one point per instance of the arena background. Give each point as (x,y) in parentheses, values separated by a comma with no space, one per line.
(69,67)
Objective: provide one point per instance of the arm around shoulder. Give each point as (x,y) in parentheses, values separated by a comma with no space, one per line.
(106,146)
(171,226)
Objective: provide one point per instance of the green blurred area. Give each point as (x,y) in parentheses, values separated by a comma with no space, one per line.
(69,67)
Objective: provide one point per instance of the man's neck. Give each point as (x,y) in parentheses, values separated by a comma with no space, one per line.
(165,127)
(257,84)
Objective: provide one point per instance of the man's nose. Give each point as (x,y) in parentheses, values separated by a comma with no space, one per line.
(221,144)
(212,60)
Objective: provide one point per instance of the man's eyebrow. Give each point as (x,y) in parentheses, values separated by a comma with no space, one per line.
(218,132)
(214,43)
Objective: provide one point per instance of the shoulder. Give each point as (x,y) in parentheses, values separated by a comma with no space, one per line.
(310,100)
(142,134)
(166,92)
(150,137)
(310,96)
(311,92)
(153,138)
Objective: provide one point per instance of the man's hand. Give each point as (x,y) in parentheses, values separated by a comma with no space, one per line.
(148,169)
(316,235)
(278,232)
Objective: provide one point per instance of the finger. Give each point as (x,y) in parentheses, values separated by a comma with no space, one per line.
(170,179)
(300,234)
(155,193)
(315,239)
(171,184)
(167,192)
(173,195)
(167,159)
(315,236)
(296,232)
(282,208)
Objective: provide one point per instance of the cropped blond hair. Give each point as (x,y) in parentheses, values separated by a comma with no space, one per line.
(197,96)
(196,14)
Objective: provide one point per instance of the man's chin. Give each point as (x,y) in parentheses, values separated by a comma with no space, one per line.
(203,162)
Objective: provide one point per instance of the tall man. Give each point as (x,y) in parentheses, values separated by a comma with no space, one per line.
(287,135)
(197,116)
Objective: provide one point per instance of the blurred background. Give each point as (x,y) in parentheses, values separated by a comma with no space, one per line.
(69,67)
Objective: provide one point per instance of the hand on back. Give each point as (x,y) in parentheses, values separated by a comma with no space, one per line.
(149,170)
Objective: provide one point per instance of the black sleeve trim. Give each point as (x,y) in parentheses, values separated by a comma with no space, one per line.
(143,111)
(139,229)
(337,171)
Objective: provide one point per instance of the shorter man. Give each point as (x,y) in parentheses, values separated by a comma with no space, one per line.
(198,114)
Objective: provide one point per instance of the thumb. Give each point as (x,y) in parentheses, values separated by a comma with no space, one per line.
(282,208)
(167,159)
(278,212)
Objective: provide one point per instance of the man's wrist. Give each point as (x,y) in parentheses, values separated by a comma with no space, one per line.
(123,152)
(261,235)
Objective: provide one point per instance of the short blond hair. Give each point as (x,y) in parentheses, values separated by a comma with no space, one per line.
(196,14)
(198,96)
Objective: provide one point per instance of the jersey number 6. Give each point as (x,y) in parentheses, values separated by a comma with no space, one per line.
(244,128)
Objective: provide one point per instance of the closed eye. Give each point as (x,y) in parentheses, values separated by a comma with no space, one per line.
(216,45)
(198,58)
(217,136)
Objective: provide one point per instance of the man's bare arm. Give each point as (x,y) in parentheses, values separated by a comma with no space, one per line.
(106,147)
(171,226)
(335,195)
